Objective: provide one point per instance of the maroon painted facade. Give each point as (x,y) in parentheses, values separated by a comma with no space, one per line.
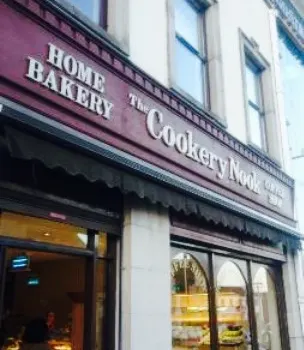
(28,31)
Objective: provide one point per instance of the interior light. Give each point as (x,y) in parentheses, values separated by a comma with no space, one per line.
(83,237)
(46,234)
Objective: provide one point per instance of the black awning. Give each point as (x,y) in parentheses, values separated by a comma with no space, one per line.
(78,162)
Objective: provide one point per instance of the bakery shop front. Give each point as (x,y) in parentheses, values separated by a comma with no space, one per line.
(84,136)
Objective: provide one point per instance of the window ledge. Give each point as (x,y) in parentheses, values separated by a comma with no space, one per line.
(78,19)
(263,154)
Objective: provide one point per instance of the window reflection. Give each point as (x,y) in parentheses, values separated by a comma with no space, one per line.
(90,8)
(266,311)
(292,72)
(187,22)
(189,71)
(189,53)
(190,305)
(232,310)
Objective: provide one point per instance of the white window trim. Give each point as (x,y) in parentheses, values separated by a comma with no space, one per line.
(203,51)
(249,48)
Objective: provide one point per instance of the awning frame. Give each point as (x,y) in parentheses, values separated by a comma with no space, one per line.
(12,111)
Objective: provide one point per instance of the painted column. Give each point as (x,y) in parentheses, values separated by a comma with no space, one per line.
(146,298)
(292,304)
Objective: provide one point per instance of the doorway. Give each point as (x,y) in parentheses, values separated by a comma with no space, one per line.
(56,270)
(44,285)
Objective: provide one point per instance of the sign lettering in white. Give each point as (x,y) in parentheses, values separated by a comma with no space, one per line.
(72,79)
(185,144)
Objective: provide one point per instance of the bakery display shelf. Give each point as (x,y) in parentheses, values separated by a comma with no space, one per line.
(204,320)
(200,347)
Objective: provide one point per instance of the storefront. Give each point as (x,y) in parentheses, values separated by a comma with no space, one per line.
(223,293)
(83,132)
(60,248)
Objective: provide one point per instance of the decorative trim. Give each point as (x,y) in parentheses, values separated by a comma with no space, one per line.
(201,5)
(27,117)
(291,19)
(289,12)
(92,46)
(291,46)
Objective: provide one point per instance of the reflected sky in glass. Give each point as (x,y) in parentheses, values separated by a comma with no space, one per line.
(251,84)
(89,8)
(186,22)
(189,72)
(255,126)
(292,72)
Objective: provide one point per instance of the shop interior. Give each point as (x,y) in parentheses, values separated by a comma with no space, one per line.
(44,285)
(40,284)
(190,305)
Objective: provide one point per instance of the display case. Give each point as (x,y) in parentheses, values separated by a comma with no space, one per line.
(190,321)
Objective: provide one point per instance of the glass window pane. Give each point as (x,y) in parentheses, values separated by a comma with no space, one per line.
(252,81)
(186,22)
(90,8)
(232,309)
(42,230)
(255,127)
(266,310)
(189,72)
(190,305)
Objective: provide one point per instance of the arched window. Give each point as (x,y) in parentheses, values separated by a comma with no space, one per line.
(232,309)
(265,305)
(190,303)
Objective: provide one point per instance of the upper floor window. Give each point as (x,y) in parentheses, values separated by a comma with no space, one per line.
(255,108)
(93,9)
(189,57)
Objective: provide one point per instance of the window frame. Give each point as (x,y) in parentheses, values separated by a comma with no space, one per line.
(200,53)
(249,50)
(252,65)
(100,18)
(274,268)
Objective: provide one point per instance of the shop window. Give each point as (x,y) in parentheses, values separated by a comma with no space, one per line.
(255,108)
(266,310)
(45,231)
(190,303)
(93,9)
(232,309)
(189,73)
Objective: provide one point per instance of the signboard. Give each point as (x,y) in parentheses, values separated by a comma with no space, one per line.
(46,74)
(20,263)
